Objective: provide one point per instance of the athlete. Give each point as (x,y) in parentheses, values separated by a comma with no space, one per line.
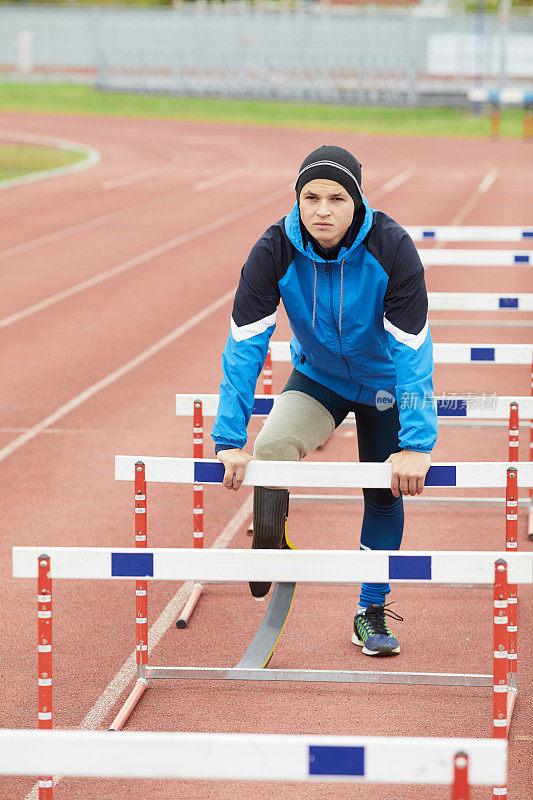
(352,284)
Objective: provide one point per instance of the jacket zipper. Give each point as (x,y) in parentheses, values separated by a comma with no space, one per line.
(332,312)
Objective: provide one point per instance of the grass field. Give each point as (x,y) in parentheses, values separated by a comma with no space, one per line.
(16,160)
(75,99)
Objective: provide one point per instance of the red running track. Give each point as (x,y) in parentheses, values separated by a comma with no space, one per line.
(100,266)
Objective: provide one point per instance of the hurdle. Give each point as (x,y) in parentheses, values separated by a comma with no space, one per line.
(348,567)
(443,353)
(460,763)
(510,96)
(457,409)
(491,474)
(475,258)
(479,301)
(470,233)
(447,353)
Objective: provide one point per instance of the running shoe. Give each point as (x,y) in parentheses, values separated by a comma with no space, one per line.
(372,633)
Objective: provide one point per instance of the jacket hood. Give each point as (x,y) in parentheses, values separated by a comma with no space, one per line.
(294,232)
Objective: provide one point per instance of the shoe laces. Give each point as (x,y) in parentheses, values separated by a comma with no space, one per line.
(376,617)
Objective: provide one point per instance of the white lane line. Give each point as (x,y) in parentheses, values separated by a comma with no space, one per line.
(92,157)
(481,189)
(225,177)
(111,694)
(393,183)
(185,238)
(79,227)
(97,387)
(136,177)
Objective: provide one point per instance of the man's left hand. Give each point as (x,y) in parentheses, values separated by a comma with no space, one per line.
(409,469)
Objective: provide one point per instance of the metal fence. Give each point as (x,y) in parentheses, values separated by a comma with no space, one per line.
(308,52)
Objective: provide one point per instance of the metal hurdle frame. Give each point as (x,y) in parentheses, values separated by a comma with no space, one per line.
(232,756)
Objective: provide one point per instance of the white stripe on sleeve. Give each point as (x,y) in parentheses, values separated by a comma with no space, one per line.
(413,340)
(253,328)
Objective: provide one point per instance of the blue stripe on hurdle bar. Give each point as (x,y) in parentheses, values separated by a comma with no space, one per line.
(508,302)
(527,234)
(134,565)
(521,259)
(208,472)
(263,405)
(428,234)
(482,354)
(441,476)
(451,408)
(410,567)
(335,760)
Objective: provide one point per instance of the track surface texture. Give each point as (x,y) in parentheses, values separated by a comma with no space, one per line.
(99,267)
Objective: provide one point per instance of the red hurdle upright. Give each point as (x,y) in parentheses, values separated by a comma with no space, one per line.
(511,543)
(141,604)
(198,489)
(44,659)
(460,787)
(500,689)
(267,374)
(198,510)
(514,432)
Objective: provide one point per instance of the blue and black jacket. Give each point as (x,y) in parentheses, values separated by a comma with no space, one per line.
(359,322)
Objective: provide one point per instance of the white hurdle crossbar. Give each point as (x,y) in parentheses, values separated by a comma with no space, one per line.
(347,567)
(475,258)
(341,474)
(470,233)
(456,406)
(450,353)
(479,301)
(233,756)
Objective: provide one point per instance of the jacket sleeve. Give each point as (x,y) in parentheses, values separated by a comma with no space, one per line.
(406,322)
(253,321)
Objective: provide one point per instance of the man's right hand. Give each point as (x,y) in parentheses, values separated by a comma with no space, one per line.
(235,462)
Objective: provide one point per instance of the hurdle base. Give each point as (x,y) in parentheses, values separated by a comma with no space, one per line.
(319,675)
(419,500)
(512,694)
(125,712)
(190,605)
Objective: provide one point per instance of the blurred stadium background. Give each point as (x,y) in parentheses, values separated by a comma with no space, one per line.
(426,53)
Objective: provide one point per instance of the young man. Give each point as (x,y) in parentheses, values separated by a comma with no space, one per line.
(352,284)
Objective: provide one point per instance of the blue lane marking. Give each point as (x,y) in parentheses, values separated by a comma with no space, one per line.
(441,476)
(334,760)
(208,472)
(521,259)
(508,302)
(428,234)
(263,405)
(410,567)
(451,408)
(134,565)
(527,234)
(482,354)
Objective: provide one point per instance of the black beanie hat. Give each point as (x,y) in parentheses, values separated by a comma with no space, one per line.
(335,164)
